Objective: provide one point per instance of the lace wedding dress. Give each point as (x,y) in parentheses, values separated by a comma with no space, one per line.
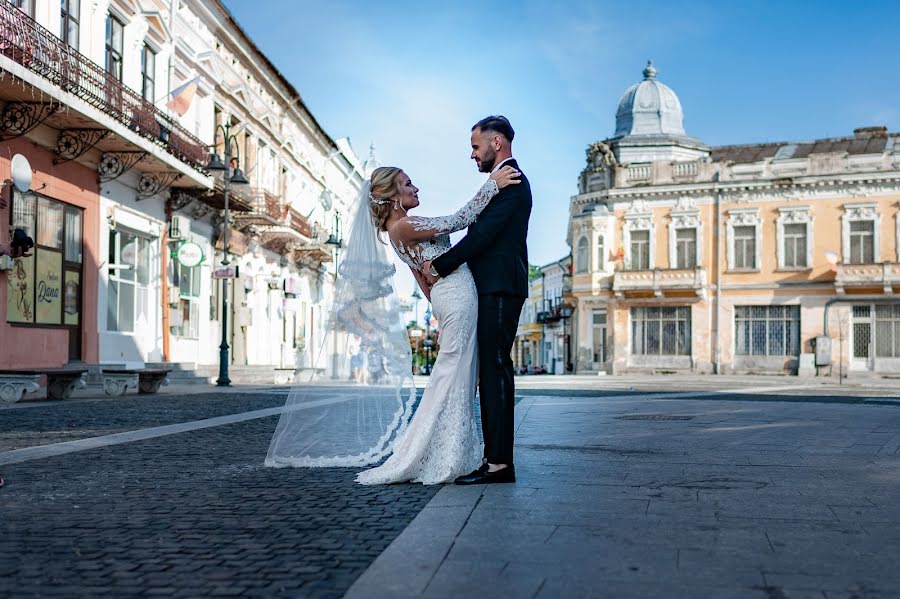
(441,441)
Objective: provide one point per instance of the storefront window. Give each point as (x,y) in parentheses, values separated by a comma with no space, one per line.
(189,291)
(129,280)
(45,288)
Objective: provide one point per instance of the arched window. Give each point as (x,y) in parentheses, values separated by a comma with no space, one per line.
(601,253)
(583,256)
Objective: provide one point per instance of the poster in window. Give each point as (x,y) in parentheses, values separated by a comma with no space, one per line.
(70,301)
(48,287)
(20,291)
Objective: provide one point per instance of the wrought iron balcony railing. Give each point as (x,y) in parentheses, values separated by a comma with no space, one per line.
(26,42)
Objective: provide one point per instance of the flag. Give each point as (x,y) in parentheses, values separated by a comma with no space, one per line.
(182,96)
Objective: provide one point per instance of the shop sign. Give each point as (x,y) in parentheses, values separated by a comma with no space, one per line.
(48,284)
(190,254)
(225,272)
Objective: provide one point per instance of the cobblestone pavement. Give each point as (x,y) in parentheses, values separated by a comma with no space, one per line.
(187,515)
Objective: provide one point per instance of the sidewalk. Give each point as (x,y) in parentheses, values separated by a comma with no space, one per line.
(650,497)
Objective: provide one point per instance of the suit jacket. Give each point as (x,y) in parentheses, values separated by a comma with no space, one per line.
(494,246)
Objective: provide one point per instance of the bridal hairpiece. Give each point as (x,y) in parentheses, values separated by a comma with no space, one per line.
(374,200)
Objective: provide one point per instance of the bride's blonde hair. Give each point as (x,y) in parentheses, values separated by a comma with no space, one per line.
(384,187)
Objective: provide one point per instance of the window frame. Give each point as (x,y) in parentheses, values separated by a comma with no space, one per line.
(743,217)
(680,314)
(583,255)
(67,266)
(744,314)
(66,17)
(114,56)
(148,75)
(138,287)
(857,212)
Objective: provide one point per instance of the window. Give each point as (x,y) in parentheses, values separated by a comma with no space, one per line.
(599,337)
(114,44)
(583,258)
(767,330)
(70,13)
(26,6)
(862,242)
(45,288)
(601,253)
(685,248)
(795,245)
(148,74)
(640,250)
(128,295)
(745,247)
(664,330)
(887,331)
(189,302)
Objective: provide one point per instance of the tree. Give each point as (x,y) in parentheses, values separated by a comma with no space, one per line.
(534,272)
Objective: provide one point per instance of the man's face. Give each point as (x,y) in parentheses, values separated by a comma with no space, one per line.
(485,145)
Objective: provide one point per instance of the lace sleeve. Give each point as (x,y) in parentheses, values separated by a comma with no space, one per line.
(421,227)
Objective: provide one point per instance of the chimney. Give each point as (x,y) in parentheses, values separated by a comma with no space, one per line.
(866,132)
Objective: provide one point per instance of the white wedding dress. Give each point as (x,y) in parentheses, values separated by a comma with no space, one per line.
(441,442)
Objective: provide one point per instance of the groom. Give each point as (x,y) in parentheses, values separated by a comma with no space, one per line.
(495,251)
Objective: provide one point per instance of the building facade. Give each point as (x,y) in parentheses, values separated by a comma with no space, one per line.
(543,339)
(127,218)
(736,258)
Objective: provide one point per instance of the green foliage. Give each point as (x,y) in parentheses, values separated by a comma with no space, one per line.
(534,272)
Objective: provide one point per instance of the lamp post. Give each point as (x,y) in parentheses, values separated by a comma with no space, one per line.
(336,241)
(228,177)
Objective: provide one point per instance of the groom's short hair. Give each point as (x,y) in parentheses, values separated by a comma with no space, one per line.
(496,124)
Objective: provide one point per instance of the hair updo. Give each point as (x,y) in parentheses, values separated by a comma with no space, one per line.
(384,187)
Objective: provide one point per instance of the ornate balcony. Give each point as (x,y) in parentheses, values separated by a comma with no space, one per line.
(266,209)
(867,276)
(660,281)
(69,73)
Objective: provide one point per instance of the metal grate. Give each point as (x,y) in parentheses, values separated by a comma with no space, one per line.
(653,417)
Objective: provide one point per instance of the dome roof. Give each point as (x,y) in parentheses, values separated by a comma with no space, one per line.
(649,108)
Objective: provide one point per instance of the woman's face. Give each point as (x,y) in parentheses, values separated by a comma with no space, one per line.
(409,193)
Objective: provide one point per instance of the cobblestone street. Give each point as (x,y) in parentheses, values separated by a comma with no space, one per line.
(186,515)
(673,488)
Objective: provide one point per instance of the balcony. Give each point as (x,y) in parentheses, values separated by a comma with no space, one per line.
(660,282)
(57,85)
(867,276)
(266,208)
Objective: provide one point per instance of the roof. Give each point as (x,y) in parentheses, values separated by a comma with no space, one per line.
(289,87)
(868,140)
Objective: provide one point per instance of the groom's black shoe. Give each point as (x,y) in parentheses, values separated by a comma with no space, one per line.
(483,476)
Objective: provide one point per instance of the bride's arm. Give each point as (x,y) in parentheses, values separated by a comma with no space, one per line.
(423,284)
(419,228)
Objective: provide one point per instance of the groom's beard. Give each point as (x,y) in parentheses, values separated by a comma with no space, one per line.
(487,164)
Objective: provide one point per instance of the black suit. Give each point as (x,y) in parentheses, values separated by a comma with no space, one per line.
(496,253)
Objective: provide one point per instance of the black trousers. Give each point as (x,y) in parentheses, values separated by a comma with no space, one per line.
(498,319)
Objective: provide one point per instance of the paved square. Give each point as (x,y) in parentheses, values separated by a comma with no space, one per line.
(656,488)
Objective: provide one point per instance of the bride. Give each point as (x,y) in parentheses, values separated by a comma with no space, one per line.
(331,419)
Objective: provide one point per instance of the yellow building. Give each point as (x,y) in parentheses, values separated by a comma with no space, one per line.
(736,258)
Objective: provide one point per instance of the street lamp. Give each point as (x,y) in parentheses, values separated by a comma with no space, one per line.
(228,177)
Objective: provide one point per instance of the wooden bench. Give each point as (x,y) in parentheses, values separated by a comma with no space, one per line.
(61,382)
(116,381)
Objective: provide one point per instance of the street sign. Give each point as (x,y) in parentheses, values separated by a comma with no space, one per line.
(189,254)
(225,272)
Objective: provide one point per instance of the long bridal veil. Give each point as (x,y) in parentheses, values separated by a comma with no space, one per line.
(355,401)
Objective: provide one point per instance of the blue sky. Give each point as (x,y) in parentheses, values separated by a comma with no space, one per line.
(412,77)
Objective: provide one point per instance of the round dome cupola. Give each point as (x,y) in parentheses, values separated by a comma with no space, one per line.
(649,108)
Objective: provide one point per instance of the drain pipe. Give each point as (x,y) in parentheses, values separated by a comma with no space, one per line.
(717,358)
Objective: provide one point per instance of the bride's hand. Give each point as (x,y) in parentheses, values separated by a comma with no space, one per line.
(506,176)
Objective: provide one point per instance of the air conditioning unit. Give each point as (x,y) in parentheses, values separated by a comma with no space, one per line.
(179,228)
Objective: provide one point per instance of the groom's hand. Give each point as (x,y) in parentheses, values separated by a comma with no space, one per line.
(426,272)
